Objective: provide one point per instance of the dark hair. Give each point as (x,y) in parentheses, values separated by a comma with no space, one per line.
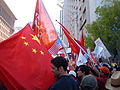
(100,60)
(60,61)
(84,69)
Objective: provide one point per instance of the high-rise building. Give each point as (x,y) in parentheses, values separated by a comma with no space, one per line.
(61,4)
(77,13)
(7,20)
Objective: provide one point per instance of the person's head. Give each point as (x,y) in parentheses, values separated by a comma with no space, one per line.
(104,71)
(113,83)
(89,82)
(108,66)
(83,70)
(59,66)
(100,60)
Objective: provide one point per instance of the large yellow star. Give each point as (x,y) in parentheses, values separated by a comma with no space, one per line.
(23,37)
(26,43)
(34,50)
(41,52)
(34,37)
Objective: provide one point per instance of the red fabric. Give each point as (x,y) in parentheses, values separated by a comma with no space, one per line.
(75,48)
(101,83)
(74,44)
(43,26)
(25,62)
(82,39)
(82,45)
(93,58)
(62,55)
(104,69)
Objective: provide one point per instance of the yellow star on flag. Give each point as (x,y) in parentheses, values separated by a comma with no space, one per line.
(23,37)
(41,52)
(34,37)
(26,43)
(71,35)
(34,50)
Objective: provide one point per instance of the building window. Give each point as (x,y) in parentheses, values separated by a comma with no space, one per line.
(80,9)
(80,18)
(84,10)
(83,1)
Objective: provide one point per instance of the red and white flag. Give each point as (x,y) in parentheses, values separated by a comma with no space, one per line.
(43,26)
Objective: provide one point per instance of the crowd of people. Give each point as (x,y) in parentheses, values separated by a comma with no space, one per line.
(100,76)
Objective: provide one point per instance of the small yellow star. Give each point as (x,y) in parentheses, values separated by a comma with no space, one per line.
(23,37)
(34,37)
(26,43)
(41,52)
(34,50)
(71,35)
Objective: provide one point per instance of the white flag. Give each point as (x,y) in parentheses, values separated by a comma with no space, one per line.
(81,59)
(105,53)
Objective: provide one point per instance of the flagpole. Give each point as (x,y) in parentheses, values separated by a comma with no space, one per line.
(63,46)
(82,49)
(75,41)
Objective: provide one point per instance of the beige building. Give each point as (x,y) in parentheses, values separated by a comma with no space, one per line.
(7,20)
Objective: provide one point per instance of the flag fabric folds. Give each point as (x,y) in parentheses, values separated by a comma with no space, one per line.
(25,62)
(44,27)
(74,44)
(82,38)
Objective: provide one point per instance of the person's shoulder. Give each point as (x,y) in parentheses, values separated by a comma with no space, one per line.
(67,78)
(55,85)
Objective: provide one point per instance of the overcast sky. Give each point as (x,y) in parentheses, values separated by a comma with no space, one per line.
(24,10)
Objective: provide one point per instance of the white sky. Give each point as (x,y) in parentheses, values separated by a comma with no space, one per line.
(24,11)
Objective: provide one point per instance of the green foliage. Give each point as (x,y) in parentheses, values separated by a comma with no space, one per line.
(107,26)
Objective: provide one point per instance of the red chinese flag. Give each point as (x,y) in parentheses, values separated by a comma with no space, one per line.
(74,44)
(25,62)
(43,25)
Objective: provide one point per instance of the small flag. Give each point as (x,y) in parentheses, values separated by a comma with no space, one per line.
(56,47)
(81,59)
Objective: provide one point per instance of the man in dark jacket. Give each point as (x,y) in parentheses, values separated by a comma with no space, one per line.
(65,81)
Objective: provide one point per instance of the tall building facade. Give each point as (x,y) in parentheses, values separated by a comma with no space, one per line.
(60,3)
(77,13)
(7,20)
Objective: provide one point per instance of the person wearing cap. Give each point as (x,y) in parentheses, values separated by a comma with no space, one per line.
(73,73)
(104,71)
(89,82)
(65,81)
(113,83)
(104,75)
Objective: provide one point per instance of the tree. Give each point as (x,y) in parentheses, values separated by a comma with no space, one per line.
(106,26)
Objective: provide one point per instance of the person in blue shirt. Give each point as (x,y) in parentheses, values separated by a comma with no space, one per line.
(65,81)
